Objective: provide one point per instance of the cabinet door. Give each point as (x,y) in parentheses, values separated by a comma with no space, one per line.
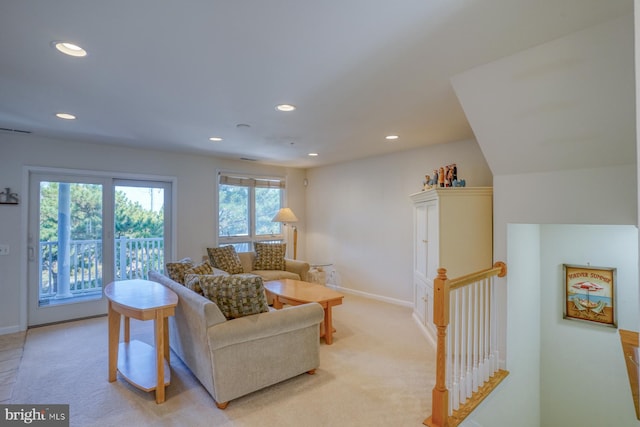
(421,308)
(420,251)
(428,304)
(432,238)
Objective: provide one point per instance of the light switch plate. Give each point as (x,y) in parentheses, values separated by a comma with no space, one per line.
(4,249)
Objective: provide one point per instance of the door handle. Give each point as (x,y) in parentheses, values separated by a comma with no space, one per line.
(31,253)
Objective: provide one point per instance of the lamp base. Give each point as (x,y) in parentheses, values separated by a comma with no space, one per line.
(295,242)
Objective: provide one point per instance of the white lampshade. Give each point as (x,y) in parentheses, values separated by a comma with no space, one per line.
(285,216)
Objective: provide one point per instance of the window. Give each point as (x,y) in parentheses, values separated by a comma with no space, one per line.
(246,206)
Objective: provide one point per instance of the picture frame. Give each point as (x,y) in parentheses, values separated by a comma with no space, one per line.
(590,294)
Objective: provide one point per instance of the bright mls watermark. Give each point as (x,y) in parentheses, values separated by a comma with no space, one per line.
(34,415)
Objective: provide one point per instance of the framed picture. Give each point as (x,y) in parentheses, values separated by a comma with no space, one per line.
(590,294)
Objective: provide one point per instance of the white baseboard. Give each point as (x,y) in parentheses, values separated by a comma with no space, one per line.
(10,330)
(424,330)
(372,296)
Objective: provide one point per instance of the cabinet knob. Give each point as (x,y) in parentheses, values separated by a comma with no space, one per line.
(424,241)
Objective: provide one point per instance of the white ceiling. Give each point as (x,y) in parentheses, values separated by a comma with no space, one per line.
(170,74)
(565,104)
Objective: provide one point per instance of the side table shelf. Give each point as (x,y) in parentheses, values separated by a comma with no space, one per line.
(137,364)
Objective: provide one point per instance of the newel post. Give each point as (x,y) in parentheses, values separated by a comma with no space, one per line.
(440,395)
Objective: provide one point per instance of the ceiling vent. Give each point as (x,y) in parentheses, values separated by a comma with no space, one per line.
(14,130)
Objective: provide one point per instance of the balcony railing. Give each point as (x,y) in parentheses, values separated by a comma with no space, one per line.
(134,258)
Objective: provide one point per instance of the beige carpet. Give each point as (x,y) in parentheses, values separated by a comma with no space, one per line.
(378,372)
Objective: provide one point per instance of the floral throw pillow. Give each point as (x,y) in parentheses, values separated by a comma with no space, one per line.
(235,295)
(176,270)
(270,256)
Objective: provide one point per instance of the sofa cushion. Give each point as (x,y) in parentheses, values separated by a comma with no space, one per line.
(270,256)
(225,258)
(203,268)
(236,295)
(176,270)
(276,275)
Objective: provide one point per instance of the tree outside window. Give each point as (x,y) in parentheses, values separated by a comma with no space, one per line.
(246,206)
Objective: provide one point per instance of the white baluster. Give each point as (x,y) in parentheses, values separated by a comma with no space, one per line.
(474,286)
(482,327)
(487,329)
(463,344)
(469,352)
(455,337)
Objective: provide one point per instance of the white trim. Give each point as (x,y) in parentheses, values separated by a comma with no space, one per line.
(393,301)
(24,261)
(104,174)
(10,330)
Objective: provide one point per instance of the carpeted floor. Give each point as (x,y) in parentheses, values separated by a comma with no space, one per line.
(379,371)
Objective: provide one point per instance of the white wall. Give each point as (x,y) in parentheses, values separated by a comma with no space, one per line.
(583,374)
(567,197)
(196,176)
(360,215)
(564,104)
(523,335)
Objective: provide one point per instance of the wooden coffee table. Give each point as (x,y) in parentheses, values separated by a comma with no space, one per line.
(296,292)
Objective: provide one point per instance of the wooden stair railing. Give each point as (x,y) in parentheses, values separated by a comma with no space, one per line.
(629,341)
(467,358)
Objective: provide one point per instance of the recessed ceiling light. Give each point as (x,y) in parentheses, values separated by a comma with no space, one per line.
(285,107)
(391,137)
(70,49)
(215,138)
(65,116)
(313,154)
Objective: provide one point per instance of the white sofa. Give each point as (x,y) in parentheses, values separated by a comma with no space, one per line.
(232,358)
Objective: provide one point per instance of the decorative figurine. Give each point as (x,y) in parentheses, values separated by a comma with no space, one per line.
(426,184)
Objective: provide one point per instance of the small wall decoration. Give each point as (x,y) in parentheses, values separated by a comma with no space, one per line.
(8,198)
(590,294)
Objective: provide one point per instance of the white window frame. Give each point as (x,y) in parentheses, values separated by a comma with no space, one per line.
(252,237)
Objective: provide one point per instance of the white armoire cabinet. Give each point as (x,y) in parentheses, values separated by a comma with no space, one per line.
(453,229)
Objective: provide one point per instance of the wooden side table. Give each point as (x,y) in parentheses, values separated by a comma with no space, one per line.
(137,361)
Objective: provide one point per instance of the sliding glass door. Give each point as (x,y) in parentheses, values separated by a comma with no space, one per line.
(86,231)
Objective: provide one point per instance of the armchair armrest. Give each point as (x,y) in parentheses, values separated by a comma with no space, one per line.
(263,325)
(301,268)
